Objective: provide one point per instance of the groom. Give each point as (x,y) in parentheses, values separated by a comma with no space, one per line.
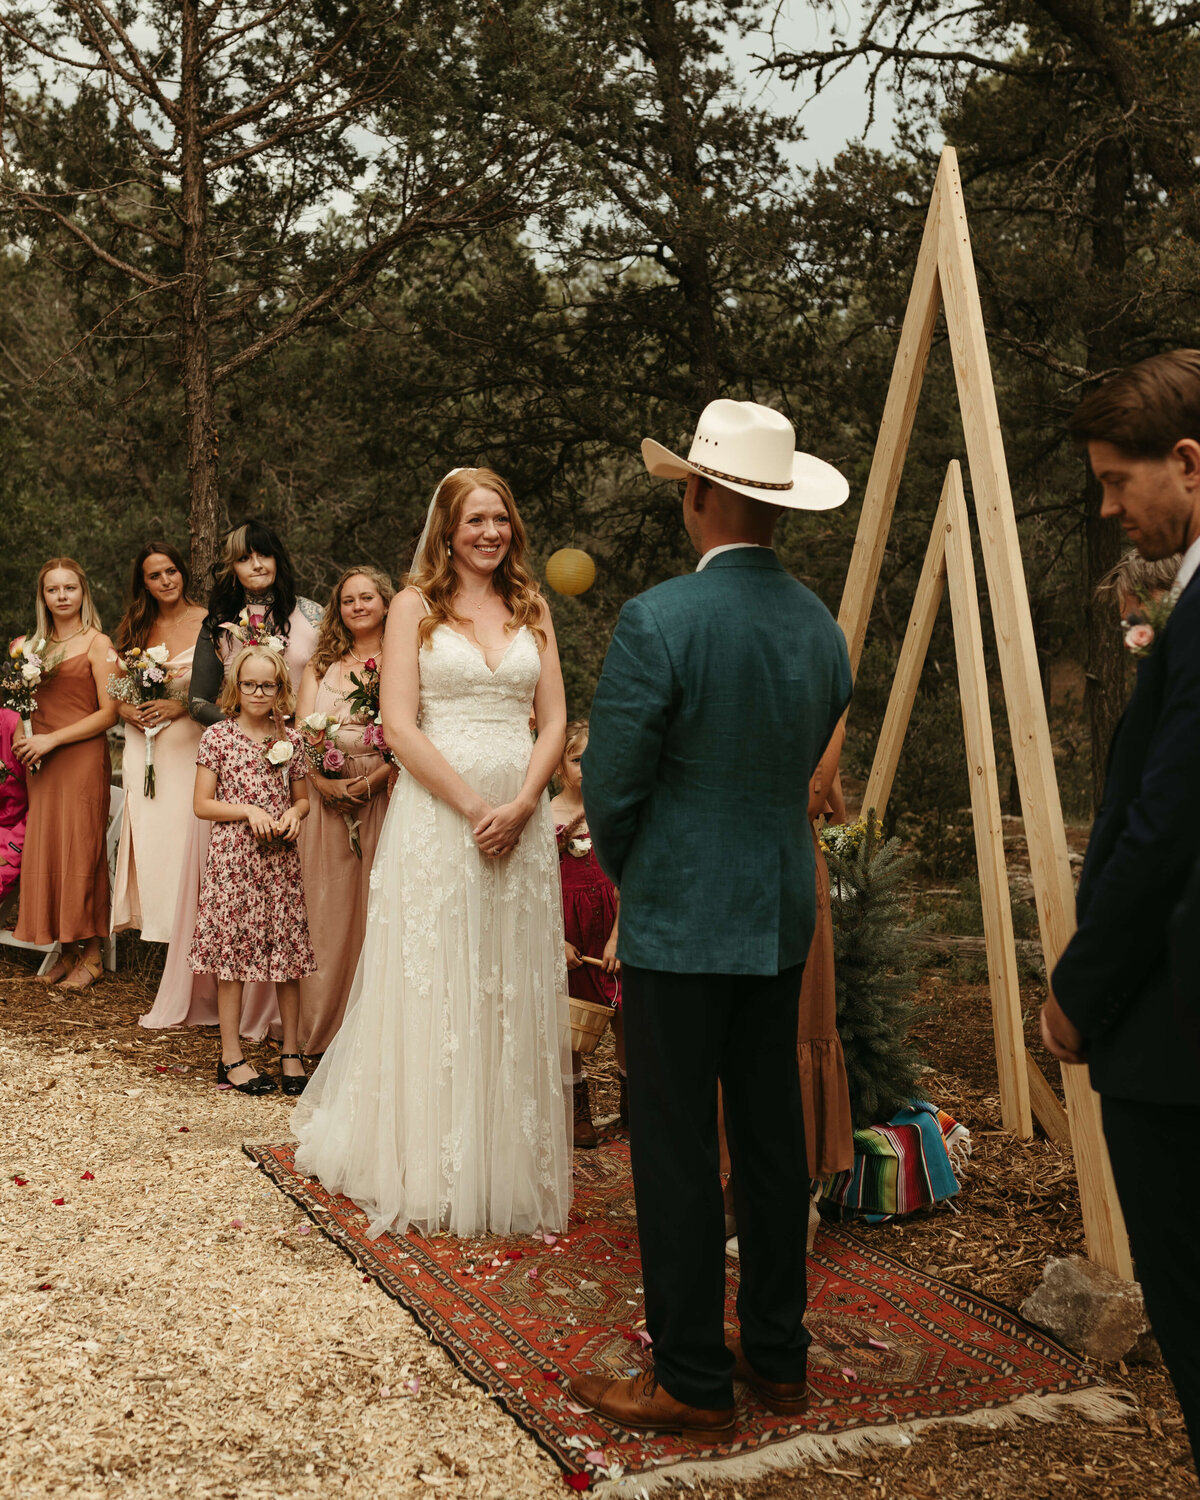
(719,692)
(1125,993)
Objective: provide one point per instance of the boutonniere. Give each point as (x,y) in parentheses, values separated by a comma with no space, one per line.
(1143,629)
(280,752)
(579,847)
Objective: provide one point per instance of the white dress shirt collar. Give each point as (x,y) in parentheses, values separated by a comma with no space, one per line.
(1187,568)
(727,547)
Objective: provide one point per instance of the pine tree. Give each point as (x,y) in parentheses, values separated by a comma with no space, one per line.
(876,982)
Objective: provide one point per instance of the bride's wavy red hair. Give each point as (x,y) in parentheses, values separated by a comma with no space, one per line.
(436,578)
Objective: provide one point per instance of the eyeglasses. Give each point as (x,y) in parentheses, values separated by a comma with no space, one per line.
(267,689)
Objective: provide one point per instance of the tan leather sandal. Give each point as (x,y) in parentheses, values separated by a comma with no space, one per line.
(66,963)
(91,971)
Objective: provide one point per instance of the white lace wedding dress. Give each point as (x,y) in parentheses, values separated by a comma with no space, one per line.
(441,1103)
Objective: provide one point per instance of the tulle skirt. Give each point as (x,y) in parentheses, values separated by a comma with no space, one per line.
(443,1102)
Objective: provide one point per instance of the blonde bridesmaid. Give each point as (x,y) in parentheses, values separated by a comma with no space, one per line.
(155,829)
(64,865)
(253,575)
(355,792)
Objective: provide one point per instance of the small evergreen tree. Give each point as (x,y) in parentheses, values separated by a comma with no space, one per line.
(876,982)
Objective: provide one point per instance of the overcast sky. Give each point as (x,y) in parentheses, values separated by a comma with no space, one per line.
(837,115)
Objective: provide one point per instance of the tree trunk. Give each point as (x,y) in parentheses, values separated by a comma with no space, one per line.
(659,34)
(1104,693)
(205,512)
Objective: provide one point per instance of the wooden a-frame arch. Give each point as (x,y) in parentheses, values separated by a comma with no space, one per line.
(945,280)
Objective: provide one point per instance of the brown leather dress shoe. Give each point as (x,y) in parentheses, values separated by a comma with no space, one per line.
(585,1131)
(642,1405)
(784,1398)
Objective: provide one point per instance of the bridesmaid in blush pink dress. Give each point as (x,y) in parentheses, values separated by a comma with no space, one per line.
(253,576)
(352,792)
(14,804)
(154,830)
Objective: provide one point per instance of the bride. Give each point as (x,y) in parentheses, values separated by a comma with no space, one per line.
(443,1101)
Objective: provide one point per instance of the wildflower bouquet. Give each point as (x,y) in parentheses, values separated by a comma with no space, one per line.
(247,630)
(327,760)
(363,699)
(28,666)
(143,678)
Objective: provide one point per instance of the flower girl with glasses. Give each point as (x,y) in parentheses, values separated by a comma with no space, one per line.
(252,923)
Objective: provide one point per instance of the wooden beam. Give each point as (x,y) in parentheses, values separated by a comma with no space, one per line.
(891,446)
(1003,982)
(930,587)
(1049,1113)
(1013,624)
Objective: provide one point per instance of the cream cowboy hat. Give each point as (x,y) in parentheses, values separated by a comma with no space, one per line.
(751,450)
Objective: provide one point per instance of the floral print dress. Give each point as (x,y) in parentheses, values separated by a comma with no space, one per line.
(252,922)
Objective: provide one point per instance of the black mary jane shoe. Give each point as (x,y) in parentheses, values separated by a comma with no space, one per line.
(291,1083)
(259,1084)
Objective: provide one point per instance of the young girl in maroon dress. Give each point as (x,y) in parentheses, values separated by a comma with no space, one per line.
(251,922)
(591,905)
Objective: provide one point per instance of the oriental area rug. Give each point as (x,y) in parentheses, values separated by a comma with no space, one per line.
(893,1350)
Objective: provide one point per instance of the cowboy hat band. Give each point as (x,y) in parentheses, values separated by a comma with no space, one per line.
(758,484)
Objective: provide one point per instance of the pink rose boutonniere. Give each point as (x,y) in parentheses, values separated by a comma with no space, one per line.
(1139,639)
(1143,629)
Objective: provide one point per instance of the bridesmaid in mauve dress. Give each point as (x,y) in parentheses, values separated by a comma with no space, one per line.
(64,865)
(154,829)
(14,804)
(253,574)
(350,643)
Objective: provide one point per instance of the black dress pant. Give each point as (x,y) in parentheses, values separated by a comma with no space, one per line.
(1150,1146)
(683,1032)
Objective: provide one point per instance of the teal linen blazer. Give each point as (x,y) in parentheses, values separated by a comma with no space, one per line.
(719,693)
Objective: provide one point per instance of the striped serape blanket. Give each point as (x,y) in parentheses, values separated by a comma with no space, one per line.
(915,1160)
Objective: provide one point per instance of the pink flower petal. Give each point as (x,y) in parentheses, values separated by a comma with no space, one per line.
(236,1224)
(593,1456)
(876,1344)
(304,1229)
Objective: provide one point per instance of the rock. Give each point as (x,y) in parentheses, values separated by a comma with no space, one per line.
(1091,1311)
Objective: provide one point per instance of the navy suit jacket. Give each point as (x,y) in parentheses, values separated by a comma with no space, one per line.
(719,692)
(1114,978)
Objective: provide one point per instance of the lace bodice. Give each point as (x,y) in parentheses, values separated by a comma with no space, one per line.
(470,712)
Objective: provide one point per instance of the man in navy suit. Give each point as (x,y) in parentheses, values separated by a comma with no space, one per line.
(1124,993)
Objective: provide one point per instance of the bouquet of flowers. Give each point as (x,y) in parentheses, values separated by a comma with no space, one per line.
(364,704)
(145,679)
(247,630)
(327,760)
(322,755)
(28,666)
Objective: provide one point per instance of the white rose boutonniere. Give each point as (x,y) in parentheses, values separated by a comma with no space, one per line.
(280,752)
(580,846)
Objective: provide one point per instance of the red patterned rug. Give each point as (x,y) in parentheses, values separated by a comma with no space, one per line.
(893,1350)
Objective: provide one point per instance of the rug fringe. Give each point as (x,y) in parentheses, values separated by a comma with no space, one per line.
(1097,1404)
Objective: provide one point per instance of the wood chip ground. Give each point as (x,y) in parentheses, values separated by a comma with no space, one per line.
(171,1329)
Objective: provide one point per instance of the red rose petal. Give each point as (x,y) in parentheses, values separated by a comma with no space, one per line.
(58,1202)
(514,1255)
(578,1481)
(184,1130)
(161,1068)
(46,1286)
(366,1278)
(551,1374)
(88,1177)
(21,1181)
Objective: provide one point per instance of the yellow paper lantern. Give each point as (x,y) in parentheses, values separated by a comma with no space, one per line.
(570,571)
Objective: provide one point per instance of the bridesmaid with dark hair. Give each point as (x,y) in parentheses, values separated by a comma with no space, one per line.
(64,865)
(160,612)
(254,590)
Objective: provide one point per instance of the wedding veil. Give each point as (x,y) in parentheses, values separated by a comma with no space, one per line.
(419,558)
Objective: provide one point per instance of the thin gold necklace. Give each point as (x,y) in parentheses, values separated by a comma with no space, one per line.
(62,640)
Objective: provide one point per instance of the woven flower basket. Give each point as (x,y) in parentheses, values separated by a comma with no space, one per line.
(586,1022)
